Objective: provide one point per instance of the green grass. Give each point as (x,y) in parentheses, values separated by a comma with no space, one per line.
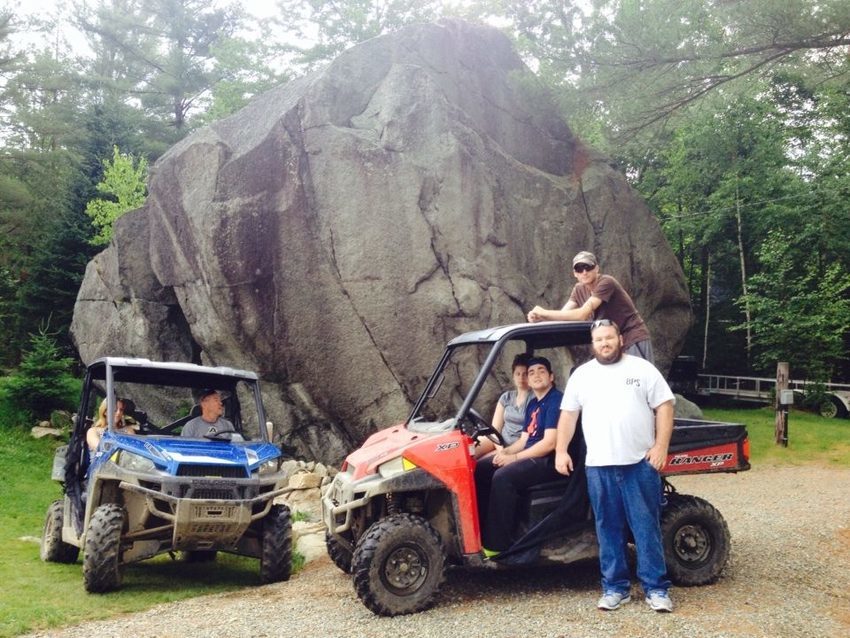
(300,516)
(36,595)
(811,438)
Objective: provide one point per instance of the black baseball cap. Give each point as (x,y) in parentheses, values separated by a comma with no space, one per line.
(540,361)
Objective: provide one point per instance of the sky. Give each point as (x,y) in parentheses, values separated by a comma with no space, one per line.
(260,8)
(50,8)
(46,9)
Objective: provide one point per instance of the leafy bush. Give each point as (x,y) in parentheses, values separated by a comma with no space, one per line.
(43,383)
(814,396)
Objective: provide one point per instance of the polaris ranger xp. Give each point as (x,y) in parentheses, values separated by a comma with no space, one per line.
(403,507)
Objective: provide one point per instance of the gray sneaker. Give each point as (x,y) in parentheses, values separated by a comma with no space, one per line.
(612,600)
(659,601)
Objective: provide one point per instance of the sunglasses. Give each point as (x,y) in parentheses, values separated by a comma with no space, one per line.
(583,267)
(599,323)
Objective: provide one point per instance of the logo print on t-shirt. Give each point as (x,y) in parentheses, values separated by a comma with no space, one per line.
(532,423)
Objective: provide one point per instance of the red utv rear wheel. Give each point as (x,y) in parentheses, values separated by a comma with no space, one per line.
(696,540)
(399,565)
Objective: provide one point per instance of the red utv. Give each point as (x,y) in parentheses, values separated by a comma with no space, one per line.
(403,507)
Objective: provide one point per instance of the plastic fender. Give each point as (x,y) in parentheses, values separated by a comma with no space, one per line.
(447,458)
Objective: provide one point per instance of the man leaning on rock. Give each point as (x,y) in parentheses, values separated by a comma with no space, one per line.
(598,296)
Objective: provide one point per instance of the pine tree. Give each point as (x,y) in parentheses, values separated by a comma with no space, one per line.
(43,381)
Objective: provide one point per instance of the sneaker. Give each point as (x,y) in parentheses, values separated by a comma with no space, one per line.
(659,601)
(612,600)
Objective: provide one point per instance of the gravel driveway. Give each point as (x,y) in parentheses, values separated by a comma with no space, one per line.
(789,576)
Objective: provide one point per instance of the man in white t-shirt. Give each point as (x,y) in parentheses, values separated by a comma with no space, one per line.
(627,419)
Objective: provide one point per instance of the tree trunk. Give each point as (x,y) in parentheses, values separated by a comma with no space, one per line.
(747,317)
(707,314)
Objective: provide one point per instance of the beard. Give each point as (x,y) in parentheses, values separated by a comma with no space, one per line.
(612,357)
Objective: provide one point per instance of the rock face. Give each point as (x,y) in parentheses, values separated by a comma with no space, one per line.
(336,232)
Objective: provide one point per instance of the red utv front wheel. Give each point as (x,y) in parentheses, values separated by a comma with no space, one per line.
(398,565)
(340,555)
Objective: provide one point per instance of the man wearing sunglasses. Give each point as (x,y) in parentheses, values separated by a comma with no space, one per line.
(598,296)
(627,420)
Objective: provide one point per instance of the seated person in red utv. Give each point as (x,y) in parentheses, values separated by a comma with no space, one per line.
(509,416)
(501,477)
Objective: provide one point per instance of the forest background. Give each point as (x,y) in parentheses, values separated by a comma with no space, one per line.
(730,117)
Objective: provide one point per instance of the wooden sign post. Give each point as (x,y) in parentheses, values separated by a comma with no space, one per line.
(781,423)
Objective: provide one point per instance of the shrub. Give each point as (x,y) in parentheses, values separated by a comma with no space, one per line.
(62,419)
(814,396)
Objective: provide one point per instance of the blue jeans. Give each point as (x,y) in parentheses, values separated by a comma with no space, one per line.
(628,497)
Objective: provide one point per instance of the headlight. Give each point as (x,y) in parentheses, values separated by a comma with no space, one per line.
(396,466)
(269,467)
(134,462)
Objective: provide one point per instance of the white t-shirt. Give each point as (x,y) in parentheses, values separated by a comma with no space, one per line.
(616,403)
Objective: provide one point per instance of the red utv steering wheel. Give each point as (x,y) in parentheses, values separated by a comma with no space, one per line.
(483,428)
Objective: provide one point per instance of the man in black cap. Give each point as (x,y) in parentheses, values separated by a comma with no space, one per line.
(211,421)
(598,296)
(499,478)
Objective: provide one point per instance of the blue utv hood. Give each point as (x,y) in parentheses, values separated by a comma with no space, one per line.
(170,452)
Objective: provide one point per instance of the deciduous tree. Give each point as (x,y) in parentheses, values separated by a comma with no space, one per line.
(125,184)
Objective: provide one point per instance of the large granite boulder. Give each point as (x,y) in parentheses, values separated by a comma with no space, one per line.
(337,231)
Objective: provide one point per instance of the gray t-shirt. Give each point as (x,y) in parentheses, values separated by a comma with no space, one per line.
(198,428)
(514,415)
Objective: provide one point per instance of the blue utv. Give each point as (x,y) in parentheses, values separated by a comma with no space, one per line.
(146,489)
